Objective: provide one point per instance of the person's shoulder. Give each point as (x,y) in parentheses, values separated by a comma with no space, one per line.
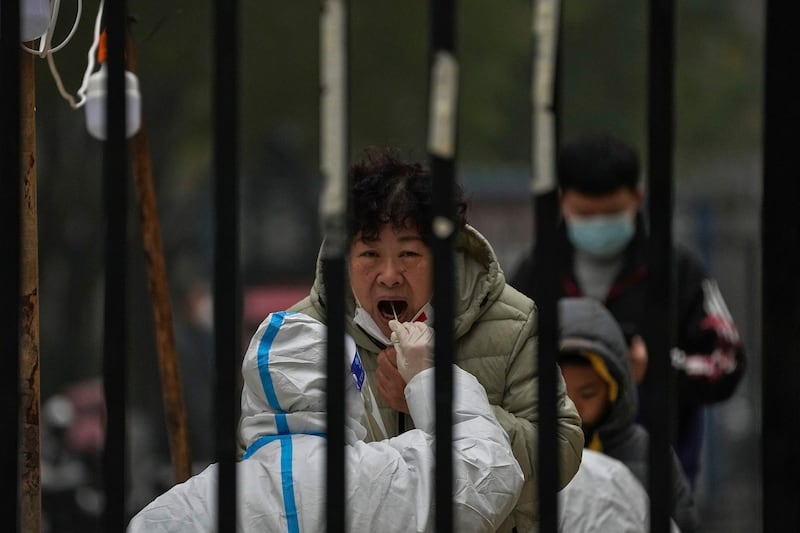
(523,270)
(511,304)
(602,467)
(508,316)
(613,478)
(691,270)
(687,257)
(607,490)
(306,306)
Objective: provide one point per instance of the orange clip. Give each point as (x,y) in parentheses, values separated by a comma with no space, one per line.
(101,47)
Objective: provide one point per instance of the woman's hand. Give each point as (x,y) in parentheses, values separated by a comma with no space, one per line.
(391,385)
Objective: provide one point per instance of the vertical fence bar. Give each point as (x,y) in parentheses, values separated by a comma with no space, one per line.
(333,211)
(227,290)
(115,165)
(659,332)
(780,233)
(546,17)
(334,269)
(443,110)
(10,212)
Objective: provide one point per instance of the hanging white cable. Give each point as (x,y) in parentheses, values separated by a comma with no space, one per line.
(71,34)
(46,51)
(92,54)
(45,39)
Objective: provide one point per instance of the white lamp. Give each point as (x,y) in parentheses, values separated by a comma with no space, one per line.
(96,104)
(35,17)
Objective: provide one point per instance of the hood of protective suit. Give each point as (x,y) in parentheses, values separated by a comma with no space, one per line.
(479,281)
(284,372)
(586,325)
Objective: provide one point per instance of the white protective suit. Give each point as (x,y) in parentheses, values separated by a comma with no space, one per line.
(604,495)
(281,479)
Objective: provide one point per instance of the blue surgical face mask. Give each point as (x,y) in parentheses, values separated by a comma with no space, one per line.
(603,235)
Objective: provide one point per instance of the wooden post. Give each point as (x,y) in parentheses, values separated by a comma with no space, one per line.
(30,490)
(172,390)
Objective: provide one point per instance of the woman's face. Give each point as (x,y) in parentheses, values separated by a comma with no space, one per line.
(393,271)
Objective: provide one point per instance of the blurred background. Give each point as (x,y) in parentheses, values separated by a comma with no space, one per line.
(718,71)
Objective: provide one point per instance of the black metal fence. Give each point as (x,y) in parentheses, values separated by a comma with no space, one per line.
(780,265)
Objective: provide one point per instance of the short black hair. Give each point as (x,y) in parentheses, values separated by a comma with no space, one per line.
(596,164)
(385,189)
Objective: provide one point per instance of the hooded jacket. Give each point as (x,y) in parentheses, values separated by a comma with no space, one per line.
(709,358)
(495,341)
(587,326)
(389,484)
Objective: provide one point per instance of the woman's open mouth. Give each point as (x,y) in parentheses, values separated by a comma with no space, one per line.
(391,308)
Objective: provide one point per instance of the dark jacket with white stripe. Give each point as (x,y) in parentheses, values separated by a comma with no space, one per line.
(708,356)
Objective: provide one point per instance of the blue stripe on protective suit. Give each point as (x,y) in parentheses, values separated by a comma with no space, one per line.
(263,369)
(266,439)
(287,477)
(263,359)
(287,482)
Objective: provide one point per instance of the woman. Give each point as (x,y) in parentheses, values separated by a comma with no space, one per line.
(389,269)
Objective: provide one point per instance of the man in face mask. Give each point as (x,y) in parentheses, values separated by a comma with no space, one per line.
(600,251)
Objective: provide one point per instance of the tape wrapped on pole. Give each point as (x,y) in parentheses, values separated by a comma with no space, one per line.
(443,103)
(545,31)
(333,121)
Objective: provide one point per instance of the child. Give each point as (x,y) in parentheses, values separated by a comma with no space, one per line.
(594,360)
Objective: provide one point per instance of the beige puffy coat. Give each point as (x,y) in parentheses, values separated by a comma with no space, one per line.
(495,334)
